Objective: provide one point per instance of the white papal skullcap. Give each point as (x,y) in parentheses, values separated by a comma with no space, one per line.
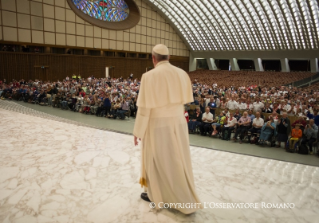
(161,49)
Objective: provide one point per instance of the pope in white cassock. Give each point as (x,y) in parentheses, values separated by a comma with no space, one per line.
(166,168)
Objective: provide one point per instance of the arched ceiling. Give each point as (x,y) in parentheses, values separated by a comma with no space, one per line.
(244,25)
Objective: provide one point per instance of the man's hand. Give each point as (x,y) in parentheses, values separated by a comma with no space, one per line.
(135,141)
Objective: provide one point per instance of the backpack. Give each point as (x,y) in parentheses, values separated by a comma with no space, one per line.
(303,149)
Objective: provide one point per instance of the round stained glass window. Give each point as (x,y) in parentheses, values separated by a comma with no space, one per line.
(111,14)
(106,10)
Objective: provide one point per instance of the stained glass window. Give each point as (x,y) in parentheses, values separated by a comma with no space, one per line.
(105,10)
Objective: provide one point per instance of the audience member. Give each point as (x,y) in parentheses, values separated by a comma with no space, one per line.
(296,134)
(207,119)
(258,123)
(310,134)
(231,124)
(243,125)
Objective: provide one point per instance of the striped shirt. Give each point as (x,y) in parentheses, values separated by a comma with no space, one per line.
(243,120)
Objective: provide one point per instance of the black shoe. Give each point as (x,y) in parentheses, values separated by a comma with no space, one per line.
(145,197)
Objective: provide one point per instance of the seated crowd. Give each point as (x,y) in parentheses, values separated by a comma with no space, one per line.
(256,114)
(102,97)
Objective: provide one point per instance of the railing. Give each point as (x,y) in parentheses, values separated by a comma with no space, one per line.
(304,81)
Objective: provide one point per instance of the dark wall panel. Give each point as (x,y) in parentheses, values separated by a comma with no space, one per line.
(28,66)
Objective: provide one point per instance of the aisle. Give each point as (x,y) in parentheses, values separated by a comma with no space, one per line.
(54,171)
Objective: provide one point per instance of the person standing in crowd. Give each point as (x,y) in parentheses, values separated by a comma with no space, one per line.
(283,129)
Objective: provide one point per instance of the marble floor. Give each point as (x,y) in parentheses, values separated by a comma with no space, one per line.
(53,171)
(126,126)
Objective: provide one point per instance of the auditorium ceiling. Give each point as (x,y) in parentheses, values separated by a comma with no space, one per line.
(242,25)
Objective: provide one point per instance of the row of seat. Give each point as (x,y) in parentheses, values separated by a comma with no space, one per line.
(246,78)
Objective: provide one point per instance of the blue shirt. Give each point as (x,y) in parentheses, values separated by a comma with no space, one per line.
(251,117)
(316,120)
(196,102)
(212,105)
(310,116)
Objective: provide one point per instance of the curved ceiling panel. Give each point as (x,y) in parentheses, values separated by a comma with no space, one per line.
(227,25)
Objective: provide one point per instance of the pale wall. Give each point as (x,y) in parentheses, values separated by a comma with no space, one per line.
(52,22)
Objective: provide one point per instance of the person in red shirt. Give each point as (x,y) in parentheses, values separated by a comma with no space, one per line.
(301,121)
(82,93)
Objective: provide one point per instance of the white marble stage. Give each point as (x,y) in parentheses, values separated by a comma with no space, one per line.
(52,171)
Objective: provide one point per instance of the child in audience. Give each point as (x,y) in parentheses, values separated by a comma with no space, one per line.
(296,134)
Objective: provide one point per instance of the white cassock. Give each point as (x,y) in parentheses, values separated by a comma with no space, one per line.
(166,169)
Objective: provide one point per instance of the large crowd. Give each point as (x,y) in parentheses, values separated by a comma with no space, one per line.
(104,97)
(256,112)
(253,113)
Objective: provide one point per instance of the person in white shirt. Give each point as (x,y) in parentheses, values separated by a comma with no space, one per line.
(207,119)
(242,105)
(226,112)
(305,110)
(232,104)
(286,108)
(217,102)
(249,105)
(231,123)
(256,127)
(294,110)
(258,105)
